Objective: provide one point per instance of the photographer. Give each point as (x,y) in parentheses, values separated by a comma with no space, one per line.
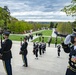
(69,46)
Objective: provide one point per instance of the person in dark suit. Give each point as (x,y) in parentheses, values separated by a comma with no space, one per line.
(24,52)
(6,53)
(69,46)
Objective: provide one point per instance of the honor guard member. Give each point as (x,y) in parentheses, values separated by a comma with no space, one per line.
(43,47)
(59,47)
(23,52)
(36,50)
(6,53)
(40,51)
(71,48)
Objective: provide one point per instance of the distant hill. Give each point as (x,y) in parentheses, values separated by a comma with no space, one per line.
(44,22)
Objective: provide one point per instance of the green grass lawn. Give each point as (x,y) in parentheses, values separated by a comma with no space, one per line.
(45,32)
(46,40)
(16,37)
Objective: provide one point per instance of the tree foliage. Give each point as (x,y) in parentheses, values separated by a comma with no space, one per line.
(4,17)
(74,24)
(51,25)
(64,28)
(70,9)
(14,25)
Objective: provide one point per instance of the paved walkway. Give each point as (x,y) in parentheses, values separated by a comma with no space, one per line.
(48,64)
(53,34)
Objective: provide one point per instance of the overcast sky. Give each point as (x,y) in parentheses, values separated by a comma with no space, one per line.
(37,10)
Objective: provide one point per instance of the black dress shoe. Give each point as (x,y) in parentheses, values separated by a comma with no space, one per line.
(25,65)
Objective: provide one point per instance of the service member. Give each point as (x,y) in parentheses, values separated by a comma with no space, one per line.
(6,53)
(58,47)
(23,52)
(36,50)
(40,50)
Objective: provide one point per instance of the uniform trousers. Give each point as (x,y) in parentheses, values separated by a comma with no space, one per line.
(36,53)
(24,57)
(7,66)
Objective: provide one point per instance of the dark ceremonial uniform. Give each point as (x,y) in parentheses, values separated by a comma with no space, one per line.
(24,53)
(43,47)
(6,54)
(59,49)
(40,51)
(5,49)
(36,50)
(71,70)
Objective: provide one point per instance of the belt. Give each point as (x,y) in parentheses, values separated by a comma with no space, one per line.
(6,51)
(71,68)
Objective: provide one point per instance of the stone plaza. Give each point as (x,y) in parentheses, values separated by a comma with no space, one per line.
(47,64)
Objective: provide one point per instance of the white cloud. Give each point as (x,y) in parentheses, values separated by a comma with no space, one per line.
(38,13)
(37,10)
(42,16)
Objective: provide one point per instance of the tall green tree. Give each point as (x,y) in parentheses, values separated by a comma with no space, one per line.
(4,16)
(70,9)
(51,25)
(64,28)
(74,24)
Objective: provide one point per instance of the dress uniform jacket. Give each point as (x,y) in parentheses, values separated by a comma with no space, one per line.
(24,48)
(5,49)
